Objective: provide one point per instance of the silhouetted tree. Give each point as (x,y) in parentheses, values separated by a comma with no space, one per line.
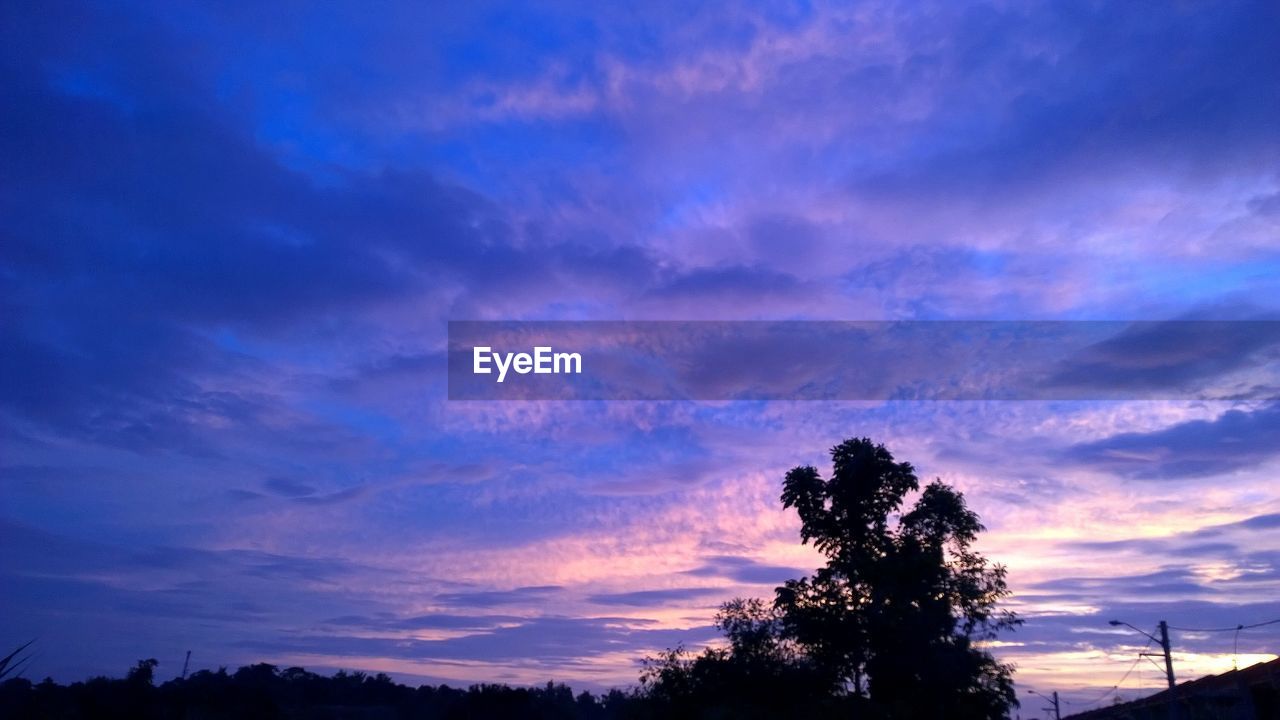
(144,672)
(897,612)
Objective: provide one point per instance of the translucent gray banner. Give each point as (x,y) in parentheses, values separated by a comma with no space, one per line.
(821,360)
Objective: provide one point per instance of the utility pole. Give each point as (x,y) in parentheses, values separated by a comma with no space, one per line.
(1174,709)
(1057,714)
(1164,645)
(1168,657)
(185,663)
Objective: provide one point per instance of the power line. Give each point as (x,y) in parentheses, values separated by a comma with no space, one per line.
(1124,677)
(1114,688)
(1234,628)
(1235,643)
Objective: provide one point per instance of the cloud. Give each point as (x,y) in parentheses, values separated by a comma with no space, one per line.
(1173,582)
(549,639)
(732,284)
(338,496)
(746,570)
(492,598)
(1049,122)
(288,487)
(1235,440)
(435,621)
(1262,522)
(1171,355)
(653,598)
(176,228)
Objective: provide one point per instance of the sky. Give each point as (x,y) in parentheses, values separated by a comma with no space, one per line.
(233,237)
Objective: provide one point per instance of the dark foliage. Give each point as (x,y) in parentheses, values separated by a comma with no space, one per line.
(265,691)
(761,674)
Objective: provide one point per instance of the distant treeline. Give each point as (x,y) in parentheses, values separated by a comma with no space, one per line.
(265,691)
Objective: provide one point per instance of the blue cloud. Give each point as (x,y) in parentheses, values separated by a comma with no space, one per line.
(647,598)
(1236,440)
